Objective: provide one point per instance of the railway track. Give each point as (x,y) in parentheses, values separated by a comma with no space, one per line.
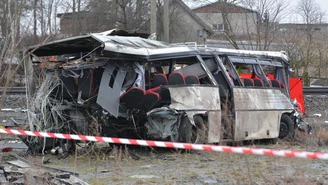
(315,90)
(13,90)
(306,90)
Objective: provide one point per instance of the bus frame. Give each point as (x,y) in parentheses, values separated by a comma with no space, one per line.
(121,86)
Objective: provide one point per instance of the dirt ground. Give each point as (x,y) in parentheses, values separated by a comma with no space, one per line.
(136,165)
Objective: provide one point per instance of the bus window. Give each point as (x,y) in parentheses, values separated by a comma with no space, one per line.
(232,73)
(249,71)
(275,74)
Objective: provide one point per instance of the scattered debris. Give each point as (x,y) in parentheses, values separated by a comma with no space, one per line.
(63,175)
(134,156)
(169,159)
(3,176)
(6,149)
(317,115)
(19,163)
(13,144)
(144,176)
(207,160)
(209,180)
(32,173)
(41,165)
(304,126)
(13,110)
(46,161)
(147,166)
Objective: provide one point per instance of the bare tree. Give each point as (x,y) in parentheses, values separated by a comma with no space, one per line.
(311,14)
(10,29)
(35,3)
(255,23)
(130,15)
(306,43)
(310,11)
(270,13)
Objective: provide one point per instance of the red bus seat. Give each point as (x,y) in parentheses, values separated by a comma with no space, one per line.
(258,82)
(137,98)
(275,83)
(176,79)
(248,82)
(191,79)
(159,79)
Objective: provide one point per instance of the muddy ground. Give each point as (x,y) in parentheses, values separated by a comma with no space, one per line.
(135,165)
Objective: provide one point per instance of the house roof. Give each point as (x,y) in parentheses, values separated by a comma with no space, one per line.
(82,14)
(193,15)
(218,6)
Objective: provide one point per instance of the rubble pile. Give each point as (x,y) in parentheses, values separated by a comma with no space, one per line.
(20,176)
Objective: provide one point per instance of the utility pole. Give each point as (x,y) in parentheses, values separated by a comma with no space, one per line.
(166,21)
(153,17)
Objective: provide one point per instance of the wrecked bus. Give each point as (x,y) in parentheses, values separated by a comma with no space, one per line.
(127,86)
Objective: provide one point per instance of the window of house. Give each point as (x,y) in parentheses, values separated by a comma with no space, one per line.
(218,27)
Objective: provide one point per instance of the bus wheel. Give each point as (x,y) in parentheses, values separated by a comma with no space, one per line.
(287,130)
(189,133)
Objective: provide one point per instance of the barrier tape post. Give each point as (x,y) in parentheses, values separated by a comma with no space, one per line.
(163,144)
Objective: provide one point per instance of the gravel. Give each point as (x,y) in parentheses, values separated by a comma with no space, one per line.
(315,104)
(14,101)
(316,107)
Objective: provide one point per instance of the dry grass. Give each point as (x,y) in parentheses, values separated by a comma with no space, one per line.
(322,136)
(175,167)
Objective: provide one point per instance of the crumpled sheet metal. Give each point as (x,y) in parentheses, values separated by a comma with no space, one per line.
(214,127)
(261,99)
(191,115)
(252,125)
(109,97)
(258,112)
(163,123)
(195,98)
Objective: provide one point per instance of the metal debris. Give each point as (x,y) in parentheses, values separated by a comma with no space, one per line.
(144,176)
(25,174)
(19,163)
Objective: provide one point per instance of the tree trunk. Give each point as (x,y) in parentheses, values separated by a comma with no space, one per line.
(35,37)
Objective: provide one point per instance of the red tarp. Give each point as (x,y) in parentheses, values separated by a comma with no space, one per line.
(296,92)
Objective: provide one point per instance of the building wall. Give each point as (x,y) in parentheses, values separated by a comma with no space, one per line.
(184,28)
(242,23)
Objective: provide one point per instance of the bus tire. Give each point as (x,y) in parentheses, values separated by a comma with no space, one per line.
(189,133)
(286,130)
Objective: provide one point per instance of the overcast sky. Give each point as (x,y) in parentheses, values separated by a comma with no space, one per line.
(323,4)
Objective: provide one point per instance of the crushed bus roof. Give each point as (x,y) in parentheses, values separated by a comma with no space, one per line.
(119,46)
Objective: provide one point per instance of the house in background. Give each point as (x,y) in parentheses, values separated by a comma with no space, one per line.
(243,21)
(185,25)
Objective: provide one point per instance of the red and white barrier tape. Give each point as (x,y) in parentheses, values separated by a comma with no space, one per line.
(242,150)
